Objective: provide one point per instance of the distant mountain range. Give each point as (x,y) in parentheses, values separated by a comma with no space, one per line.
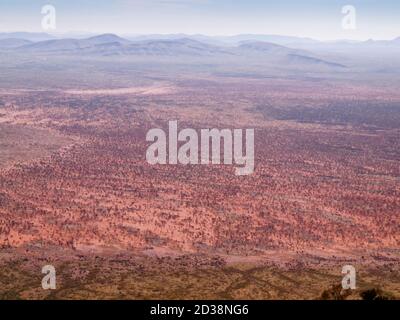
(301,53)
(110,44)
(384,42)
(225,40)
(216,40)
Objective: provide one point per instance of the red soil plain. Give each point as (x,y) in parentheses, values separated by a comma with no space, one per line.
(76,191)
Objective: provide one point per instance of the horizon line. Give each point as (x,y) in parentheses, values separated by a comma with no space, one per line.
(124,34)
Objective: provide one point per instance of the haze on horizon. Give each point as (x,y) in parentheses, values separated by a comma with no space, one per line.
(309,18)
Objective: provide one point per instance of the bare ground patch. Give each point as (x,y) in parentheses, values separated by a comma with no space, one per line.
(20,143)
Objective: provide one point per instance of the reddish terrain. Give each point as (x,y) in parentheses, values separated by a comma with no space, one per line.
(332,187)
(326,187)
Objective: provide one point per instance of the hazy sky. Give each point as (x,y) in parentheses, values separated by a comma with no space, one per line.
(321,19)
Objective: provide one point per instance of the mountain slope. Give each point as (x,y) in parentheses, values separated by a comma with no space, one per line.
(175,47)
(109,44)
(271,51)
(106,38)
(13,43)
(74,45)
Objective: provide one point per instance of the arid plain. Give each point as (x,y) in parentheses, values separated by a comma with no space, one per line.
(76,190)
